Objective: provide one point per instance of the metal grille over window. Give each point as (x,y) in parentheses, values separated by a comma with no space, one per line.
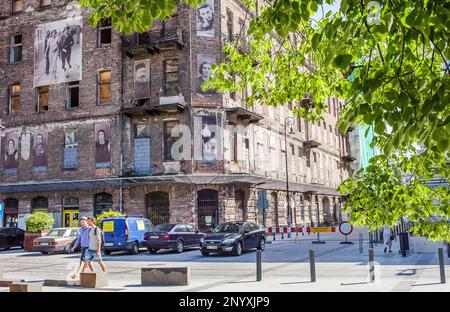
(158,207)
(208,209)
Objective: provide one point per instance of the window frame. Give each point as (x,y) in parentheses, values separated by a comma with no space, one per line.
(12,95)
(13,11)
(69,86)
(41,4)
(172,139)
(166,72)
(106,82)
(100,29)
(14,45)
(73,145)
(40,90)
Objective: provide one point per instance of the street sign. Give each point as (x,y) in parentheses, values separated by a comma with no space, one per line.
(345,228)
(2,208)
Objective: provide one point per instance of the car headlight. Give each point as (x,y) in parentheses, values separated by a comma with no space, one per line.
(228,241)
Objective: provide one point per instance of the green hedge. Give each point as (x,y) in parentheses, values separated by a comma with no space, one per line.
(39,221)
(108,214)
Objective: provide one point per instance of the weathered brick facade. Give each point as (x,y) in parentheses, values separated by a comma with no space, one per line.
(140,179)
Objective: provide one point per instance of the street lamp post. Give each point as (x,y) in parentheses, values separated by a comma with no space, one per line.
(288,121)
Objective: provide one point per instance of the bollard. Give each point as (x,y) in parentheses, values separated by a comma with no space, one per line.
(312,265)
(360,243)
(371,266)
(258,266)
(274,239)
(282,234)
(441,265)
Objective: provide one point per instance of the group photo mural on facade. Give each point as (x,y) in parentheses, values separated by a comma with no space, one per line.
(58,52)
(204,65)
(142,79)
(102,145)
(11,148)
(40,148)
(205,19)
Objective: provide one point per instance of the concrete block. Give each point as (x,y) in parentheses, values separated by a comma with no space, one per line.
(165,276)
(93,279)
(62,283)
(25,287)
(8,282)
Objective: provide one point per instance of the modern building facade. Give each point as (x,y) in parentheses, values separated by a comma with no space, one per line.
(94,120)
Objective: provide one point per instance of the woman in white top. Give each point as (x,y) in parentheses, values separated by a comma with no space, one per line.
(387,237)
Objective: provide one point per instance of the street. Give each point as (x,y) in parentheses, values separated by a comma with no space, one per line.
(285,267)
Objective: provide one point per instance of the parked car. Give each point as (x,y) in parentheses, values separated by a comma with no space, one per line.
(11,237)
(124,233)
(175,236)
(57,240)
(233,238)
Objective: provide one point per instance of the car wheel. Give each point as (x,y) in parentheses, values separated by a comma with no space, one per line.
(237,251)
(107,252)
(204,253)
(44,252)
(153,250)
(180,246)
(135,249)
(262,244)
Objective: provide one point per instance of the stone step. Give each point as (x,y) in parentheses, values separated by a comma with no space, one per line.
(93,279)
(25,287)
(61,283)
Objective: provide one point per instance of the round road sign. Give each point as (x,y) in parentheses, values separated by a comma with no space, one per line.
(345,228)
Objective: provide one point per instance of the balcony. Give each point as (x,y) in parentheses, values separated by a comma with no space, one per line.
(311,143)
(347,158)
(240,42)
(153,41)
(166,104)
(238,115)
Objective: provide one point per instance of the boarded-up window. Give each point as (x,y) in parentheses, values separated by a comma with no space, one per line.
(42,98)
(104,87)
(17,6)
(16,49)
(171,77)
(73,94)
(15,98)
(46,3)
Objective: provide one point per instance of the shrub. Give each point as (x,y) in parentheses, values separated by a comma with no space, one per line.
(108,214)
(39,221)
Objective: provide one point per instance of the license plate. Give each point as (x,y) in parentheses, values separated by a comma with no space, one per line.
(154,237)
(43,244)
(211,247)
(109,244)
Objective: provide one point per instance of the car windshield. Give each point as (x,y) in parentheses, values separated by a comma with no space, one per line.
(164,227)
(227,228)
(55,233)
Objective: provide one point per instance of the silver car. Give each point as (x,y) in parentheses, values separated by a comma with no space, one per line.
(57,240)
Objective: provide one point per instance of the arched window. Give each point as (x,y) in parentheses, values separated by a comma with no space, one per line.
(39,204)
(208,209)
(102,202)
(157,207)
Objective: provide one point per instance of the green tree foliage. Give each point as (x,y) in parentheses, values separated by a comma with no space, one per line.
(108,214)
(397,55)
(39,221)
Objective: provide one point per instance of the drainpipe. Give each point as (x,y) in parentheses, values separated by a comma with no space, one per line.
(121,122)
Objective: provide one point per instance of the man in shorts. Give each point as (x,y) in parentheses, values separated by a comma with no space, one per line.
(83,240)
(95,245)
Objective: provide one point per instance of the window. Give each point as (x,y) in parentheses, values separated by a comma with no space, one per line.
(42,99)
(70,139)
(16,49)
(142,130)
(104,32)
(45,3)
(73,94)
(14,107)
(229,25)
(104,87)
(17,6)
(168,139)
(171,70)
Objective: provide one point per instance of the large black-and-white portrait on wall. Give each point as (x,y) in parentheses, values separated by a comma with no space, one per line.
(142,79)
(205,19)
(204,67)
(58,52)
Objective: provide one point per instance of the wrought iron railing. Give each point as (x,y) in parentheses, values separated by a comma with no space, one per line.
(164,35)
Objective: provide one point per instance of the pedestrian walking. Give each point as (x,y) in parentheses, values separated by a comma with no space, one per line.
(95,245)
(83,241)
(388,238)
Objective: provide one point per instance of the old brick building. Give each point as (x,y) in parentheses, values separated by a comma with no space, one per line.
(93,120)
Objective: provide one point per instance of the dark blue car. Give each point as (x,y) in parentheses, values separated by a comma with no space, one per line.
(174,236)
(125,233)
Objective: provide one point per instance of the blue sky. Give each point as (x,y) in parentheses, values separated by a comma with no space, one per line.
(326,8)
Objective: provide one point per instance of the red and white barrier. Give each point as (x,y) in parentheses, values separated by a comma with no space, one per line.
(293,229)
